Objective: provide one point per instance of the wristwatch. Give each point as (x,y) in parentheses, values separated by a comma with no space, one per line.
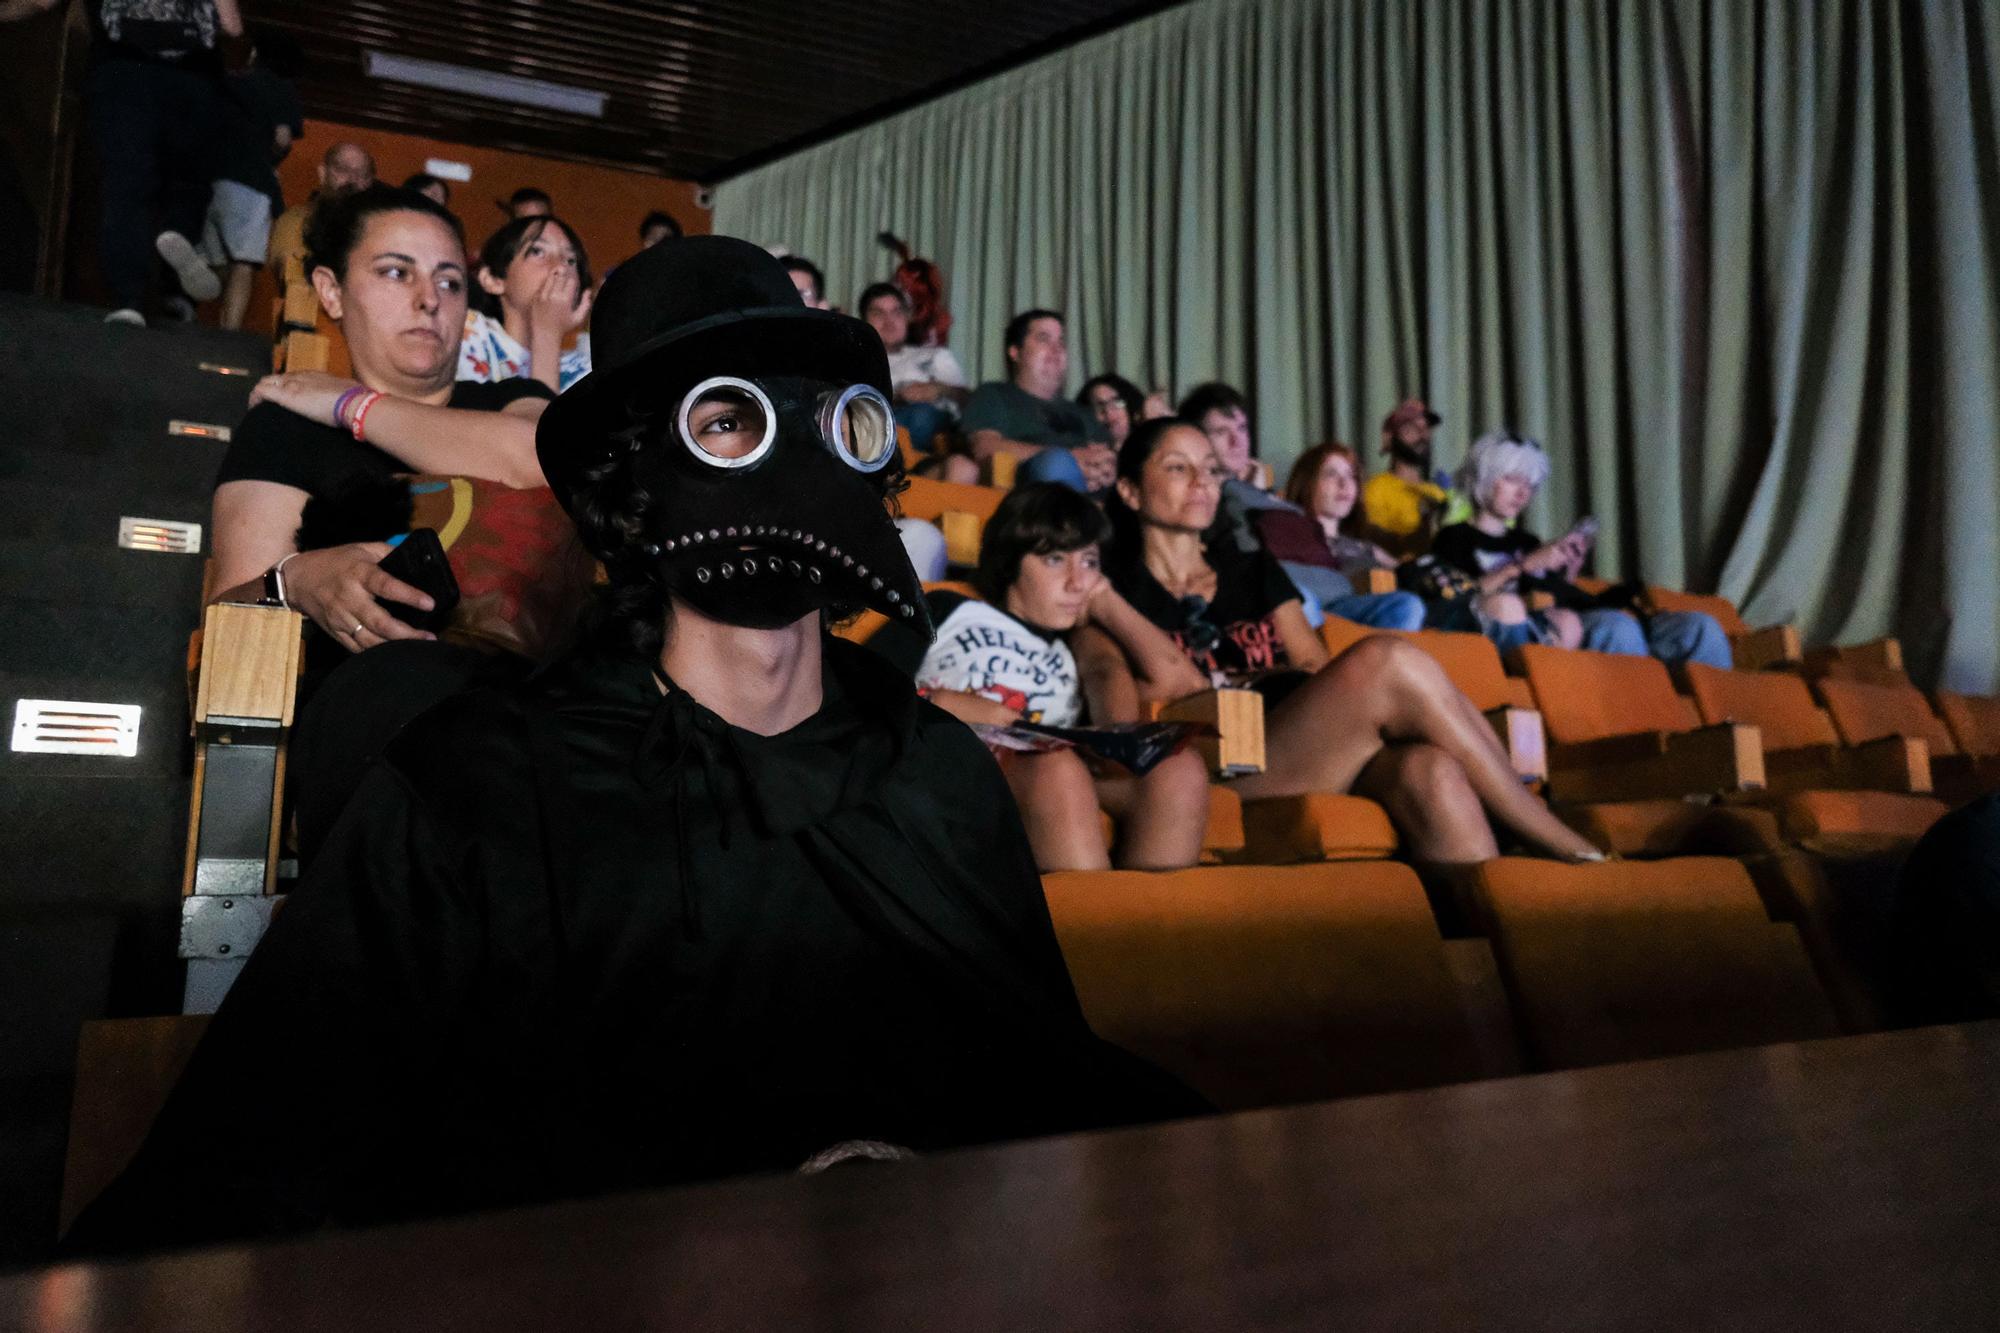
(274,585)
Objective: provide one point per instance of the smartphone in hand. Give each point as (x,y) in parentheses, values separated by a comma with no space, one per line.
(419,560)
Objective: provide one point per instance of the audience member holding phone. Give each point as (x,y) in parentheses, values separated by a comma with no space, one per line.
(1501,476)
(327,475)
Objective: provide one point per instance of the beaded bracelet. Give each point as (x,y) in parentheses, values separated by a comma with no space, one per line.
(361,414)
(352,392)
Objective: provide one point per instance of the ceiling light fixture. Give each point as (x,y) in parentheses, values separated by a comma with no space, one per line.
(483,83)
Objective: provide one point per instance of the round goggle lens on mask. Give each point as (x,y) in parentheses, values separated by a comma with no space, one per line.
(728,422)
(860,426)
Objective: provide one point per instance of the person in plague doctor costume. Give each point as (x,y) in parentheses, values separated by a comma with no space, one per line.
(712,894)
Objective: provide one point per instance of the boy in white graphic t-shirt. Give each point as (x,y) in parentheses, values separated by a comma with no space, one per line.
(1008,658)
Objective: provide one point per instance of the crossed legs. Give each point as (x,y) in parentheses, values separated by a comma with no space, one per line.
(1383,716)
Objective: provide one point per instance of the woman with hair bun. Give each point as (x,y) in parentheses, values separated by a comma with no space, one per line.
(1382,719)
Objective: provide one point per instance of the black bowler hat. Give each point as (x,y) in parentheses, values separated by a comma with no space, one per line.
(675,314)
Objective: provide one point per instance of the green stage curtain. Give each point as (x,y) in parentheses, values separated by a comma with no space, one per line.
(1735,263)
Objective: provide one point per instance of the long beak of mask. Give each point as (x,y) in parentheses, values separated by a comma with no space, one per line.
(768,503)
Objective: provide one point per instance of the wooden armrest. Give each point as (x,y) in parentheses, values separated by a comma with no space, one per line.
(1890,763)
(1381,581)
(307,351)
(1238,715)
(962,534)
(301,310)
(1763,649)
(1520,730)
(998,470)
(249,671)
(1722,758)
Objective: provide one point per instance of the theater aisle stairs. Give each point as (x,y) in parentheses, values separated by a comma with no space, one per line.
(91,845)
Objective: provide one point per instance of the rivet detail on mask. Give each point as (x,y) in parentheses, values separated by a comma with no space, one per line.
(731,532)
(819,546)
(776,566)
(690,541)
(894,596)
(875,585)
(909,610)
(728,570)
(715,534)
(813,574)
(833,551)
(670,545)
(793,567)
(749,569)
(847,561)
(653,548)
(702,575)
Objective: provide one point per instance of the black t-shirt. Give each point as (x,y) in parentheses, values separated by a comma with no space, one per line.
(1479,553)
(328,463)
(1234,633)
(260,101)
(348,483)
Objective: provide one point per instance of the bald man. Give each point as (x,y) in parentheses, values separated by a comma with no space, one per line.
(346,169)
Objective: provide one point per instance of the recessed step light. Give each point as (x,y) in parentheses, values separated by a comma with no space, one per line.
(218,368)
(168,535)
(200,430)
(65,726)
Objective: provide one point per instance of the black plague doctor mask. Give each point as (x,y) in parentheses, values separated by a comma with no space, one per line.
(732,445)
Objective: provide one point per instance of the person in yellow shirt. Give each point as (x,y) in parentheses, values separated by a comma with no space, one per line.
(347,168)
(1403,505)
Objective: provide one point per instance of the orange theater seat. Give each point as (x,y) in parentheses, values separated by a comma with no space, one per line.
(1471,660)
(1803,751)
(1972,719)
(1674,826)
(1319,826)
(1591,696)
(1619,732)
(1829,818)
(1269,985)
(125,1067)
(1726,615)
(1630,960)
(1864,711)
(1779,705)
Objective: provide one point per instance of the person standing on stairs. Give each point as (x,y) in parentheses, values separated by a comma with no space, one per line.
(155,102)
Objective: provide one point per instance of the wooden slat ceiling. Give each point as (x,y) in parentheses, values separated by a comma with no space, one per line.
(697,89)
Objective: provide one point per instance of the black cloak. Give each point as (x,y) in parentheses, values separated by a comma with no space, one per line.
(578,936)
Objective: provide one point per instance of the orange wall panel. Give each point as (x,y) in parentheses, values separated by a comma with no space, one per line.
(603,204)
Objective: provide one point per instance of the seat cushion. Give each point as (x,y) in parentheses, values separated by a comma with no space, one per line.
(1268,984)
(1634,959)
(1673,827)
(1318,826)
(1864,814)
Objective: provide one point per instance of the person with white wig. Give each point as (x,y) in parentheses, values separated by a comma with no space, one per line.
(1501,476)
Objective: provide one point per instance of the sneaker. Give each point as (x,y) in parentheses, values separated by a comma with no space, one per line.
(197,278)
(126,315)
